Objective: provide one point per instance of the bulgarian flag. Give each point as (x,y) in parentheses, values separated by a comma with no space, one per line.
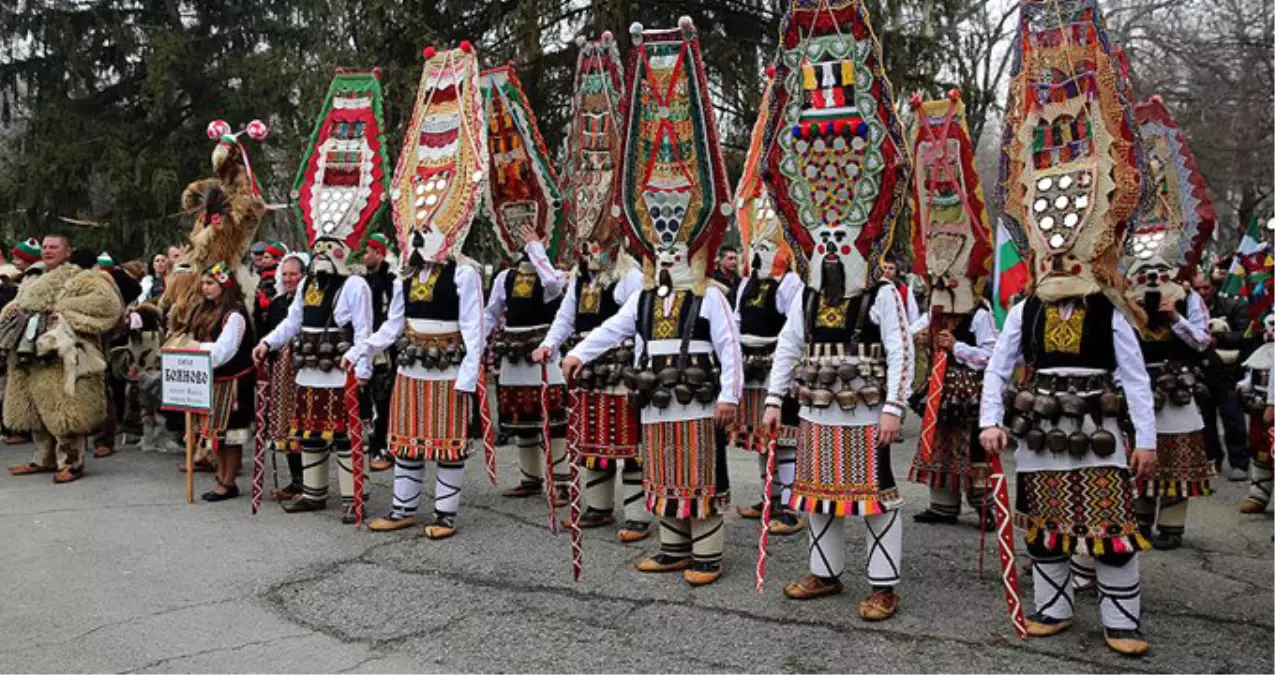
(1250,274)
(1010,276)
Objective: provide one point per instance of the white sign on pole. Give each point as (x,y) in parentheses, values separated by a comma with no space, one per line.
(188,380)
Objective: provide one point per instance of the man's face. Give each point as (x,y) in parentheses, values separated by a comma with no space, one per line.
(372,258)
(1204,286)
(729,262)
(258,260)
(888,270)
(291,275)
(268,261)
(54,251)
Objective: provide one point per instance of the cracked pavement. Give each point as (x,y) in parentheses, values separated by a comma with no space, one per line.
(117,573)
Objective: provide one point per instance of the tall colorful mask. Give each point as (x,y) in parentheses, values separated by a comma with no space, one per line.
(839,169)
(442,171)
(672,195)
(950,236)
(760,229)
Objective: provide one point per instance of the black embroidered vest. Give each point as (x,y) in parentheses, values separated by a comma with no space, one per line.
(525,300)
(594,306)
(839,322)
(759,313)
(1083,340)
(319,304)
(436,297)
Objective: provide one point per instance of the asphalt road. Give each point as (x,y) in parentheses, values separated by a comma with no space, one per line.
(117,573)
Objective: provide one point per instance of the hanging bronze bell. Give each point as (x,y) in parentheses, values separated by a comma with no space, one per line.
(499,347)
(706,393)
(1158,400)
(684,394)
(645,381)
(694,376)
(326,365)
(1109,403)
(1103,442)
(809,373)
(325,349)
(846,372)
(878,370)
(1072,405)
(298,360)
(1024,400)
(343,347)
(805,395)
(1035,439)
(629,375)
(870,394)
(1166,382)
(402,344)
(1077,444)
(614,375)
(821,398)
(311,361)
(1056,440)
(1200,391)
(307,347)
(669,376)
(864,367)
(585,377)
(1019,425)
(624,356)
(1186,379)
(661,398)
(847,399)
(827,376)
(1046,407)
(1181,396)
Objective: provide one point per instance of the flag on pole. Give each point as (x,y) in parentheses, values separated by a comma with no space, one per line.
(1010,276)
(1249,259)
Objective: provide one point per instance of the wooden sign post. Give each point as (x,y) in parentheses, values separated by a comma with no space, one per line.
(187,387)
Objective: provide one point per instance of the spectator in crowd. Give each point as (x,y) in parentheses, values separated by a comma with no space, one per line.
(727,272)
(381,280)
(1229,324)
(258,255)
(153,284)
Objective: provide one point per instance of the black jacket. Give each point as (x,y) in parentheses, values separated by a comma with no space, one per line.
(381,281)
(1235,311)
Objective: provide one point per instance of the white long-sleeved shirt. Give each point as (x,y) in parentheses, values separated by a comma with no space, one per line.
(353,307)
(564,322)
(1131,372)
(725,342)
(227,343)
(976,356)
(553,280)
(889,314)
(470,324)
(1193,329)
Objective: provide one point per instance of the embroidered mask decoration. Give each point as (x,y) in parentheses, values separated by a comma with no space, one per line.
(330,256)
(672,196)
(760,230)
(950,235)
(836,163)
(1174,223)
(1068,158)
(522,190)
(593,149)
(342,187)
(442,169)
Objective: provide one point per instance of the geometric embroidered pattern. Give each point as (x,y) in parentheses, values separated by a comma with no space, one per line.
(841,471)
(1057,508)
(1182,469)
(1063,335)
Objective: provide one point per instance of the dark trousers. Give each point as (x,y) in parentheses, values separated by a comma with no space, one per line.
(1223,401)
(379,389)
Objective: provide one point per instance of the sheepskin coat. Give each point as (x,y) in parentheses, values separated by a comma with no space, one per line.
(33,397)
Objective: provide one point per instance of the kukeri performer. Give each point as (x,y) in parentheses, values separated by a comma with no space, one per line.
(522,208)
(846,341)
(522,300)
(687,368)
(951,250)
(436,320)
(331,312)
(221,327)
(760,301)
(1071,183)
(1257,394)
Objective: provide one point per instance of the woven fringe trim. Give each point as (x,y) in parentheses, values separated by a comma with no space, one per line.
(432,449)
(695,508)
(839,509)
(1175,488)
(1066,543)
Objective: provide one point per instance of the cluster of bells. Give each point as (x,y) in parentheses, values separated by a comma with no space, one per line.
(815,383)
(1031,409)
(683,383)
(757,367)
(610,370)
(430,355)
(516,347)
(321,353)
(961,394)
(1254,398)
(1179,385)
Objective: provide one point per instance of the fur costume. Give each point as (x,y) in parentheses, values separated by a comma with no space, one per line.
(35,398)
(229,208)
